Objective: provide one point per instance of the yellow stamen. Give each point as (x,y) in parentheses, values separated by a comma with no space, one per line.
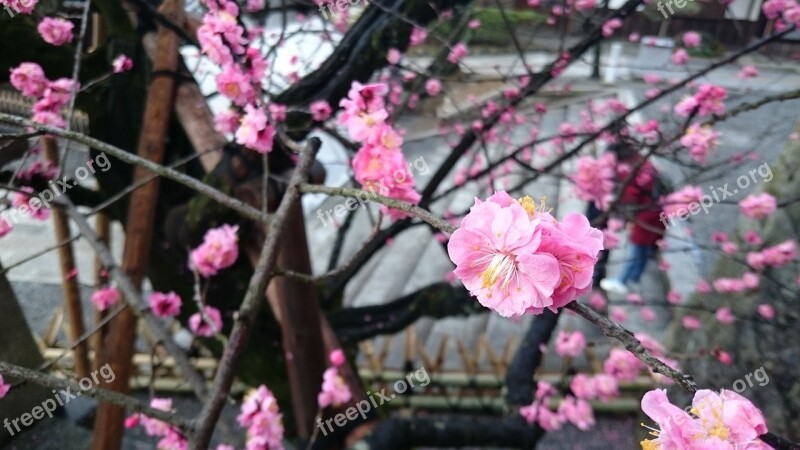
(502,265)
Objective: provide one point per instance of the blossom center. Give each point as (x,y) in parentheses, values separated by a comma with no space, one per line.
(502,266)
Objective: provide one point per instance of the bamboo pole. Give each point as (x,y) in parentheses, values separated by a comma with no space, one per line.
(69,281)
(108,426)
(103,228)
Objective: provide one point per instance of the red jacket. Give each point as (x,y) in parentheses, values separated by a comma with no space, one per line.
(638,194)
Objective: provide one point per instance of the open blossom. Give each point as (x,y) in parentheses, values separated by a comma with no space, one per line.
(721,421)
(622,365)
(5,227)
(261,416)
(725,316)
(29,79)
(700,140)
(255,132)
(207,324)
(538,411)
(55,30)
(165,304)
(610,26)
(497,257)
(775,256)
(577,412)
(457,53)
(747,72)
(320,110)
(122,64)
(575,245)
(105,298)
(570,344)
(4,387)
(433,87)
(758,206)
(691,39)
(594,179)
(766,311)
(679,57)
(219,250)
(235,85)
(335,391)
(21,200)
(681,199)
(418,36)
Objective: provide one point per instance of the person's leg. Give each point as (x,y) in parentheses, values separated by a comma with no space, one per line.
(634,266)
(645,252)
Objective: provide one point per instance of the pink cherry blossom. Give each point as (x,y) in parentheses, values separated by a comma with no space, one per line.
(218,251)
(594,179)
(335,391)
(393,56)
(337,357)
(235,85)
(725,316)
(758,206)
(605,386)
(255,131)
(691,39)
(261,416)
(227,121)
(206,326)
(418,36)
(105,298)
(766,311)
(165,304)
(320,110)
(122,64)
(583,386)
(679,57)
(4,387)
(570,343)
(752,237)
(457,53)
(597,301)
(700,140)
(724,357)
(610,26)
(648,315)
(19,6)
(5,227)
(747,72)
(622,365)
(433,87)
(29,79)
(575,245)
(674,297)
(497,257)
(577,412)
(691,323)
(585,5)
(55,30)
(22,202)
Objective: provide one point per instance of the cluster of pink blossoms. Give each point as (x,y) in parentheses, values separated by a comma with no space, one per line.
(263,419)
(775,256)
(724,421)
(50,96)
(758,206)
(171,437)
(165,304)
(516,258)
(379,164)
(206,324)
(749,280)
(785,11)
(105,298)
(681,199)
(700,140)
(594,179)
(709,99)
(335,391)
(222,39)
(219,250)
(4,387)
(55,30)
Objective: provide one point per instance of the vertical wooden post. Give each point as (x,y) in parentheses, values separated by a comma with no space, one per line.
(299,312)
(69,282)
(103,228)
(108,426)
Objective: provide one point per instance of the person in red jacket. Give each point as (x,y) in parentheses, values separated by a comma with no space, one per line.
(639,200)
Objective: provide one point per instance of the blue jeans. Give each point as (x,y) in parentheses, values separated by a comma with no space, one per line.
(638,255)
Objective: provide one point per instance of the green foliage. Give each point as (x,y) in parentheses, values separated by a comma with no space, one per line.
(493,29)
